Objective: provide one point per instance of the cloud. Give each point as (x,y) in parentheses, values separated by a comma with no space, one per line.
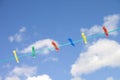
(26,72)
(78,78)
(12,78)
(23,29)
(40,77)
(23,71)
(103,53)
(18,37)
(110,78)
(111,22)
(44,45)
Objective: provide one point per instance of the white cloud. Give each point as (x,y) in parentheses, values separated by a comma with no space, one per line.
(40,77)
(18,72)
(110,78)
(11,38)
(12,78)
(111,22)
(77,78)
(23,29)
(24,70)
(103,53)
(44,45)
(18,37)
(92,30)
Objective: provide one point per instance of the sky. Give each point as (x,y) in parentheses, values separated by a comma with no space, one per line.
(27,23)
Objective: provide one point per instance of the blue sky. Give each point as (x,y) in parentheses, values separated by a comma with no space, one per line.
(27,22)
